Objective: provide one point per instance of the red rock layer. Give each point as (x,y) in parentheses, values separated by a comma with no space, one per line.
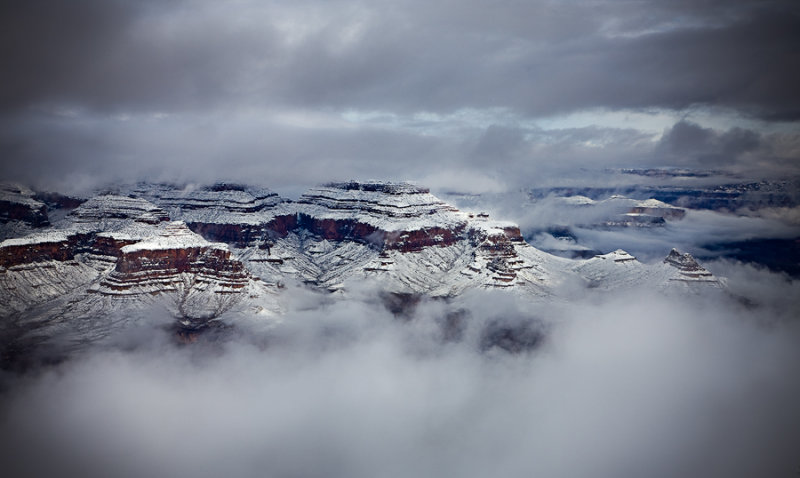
(64,250)
(109,246)
(500,253)
(404,241)
(340,229)
(157,270)
(414,241)
(56,250)
(40,252)
(245,235)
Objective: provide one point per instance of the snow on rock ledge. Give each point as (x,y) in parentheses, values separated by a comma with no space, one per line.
(100,209)
(688,268)
(40,247)
(175,235)
(384,205)
(169,261)
(397,216)
(236,214)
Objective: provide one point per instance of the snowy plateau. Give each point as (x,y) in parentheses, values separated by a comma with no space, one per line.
(74,270)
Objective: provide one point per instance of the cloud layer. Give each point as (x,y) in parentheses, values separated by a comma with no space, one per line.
(656,387)
(541,57)
(350,88)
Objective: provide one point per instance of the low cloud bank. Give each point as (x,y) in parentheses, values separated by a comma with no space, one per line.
(695,233)
(634,385)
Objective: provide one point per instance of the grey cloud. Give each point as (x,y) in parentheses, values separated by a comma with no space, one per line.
(690,144)
(551,58)
(744,65)
(126,56)
(499,143)
(82,88)
(697,230)
(652,387)
(46,44)
(92,152)
(746,152)
(542,57)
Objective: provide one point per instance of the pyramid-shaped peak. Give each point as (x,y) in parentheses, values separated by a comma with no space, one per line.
(618,256)
(688,268)
(683,261)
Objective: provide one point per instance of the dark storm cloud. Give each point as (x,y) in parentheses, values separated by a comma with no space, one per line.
(688,143)
(540,57)
(45,45)
(77,155)
(545,58)
(174,90)
(119,55)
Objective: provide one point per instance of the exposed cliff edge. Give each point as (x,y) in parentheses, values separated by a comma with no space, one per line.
(222,250)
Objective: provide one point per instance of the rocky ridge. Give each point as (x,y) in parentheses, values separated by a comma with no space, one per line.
(688,268)
(211,251)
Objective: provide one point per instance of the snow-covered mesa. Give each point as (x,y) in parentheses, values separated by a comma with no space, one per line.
(223,252)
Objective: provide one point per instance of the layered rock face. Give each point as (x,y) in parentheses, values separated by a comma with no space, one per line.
(40,267)
(230,240)
(688,268)
(342,230)
(239,215)
(407,239)
(52,246)
(497,253)
(619,270)
(120,247)
(221,199)
(99,211)
(162,263)
(45,265)
(396,216)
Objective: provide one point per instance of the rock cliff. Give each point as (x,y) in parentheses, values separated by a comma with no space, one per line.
(205,251)
(165,262)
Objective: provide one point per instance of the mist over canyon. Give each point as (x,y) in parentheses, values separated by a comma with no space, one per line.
(369,328)
(435,238)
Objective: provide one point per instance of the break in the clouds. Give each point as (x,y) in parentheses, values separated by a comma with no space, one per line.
(499,90)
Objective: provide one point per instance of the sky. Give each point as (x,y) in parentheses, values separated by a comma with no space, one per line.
(469,95)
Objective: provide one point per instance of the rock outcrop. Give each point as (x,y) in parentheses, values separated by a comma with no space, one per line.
(397,216)
(50,246)
(241,216)
(656,208)
(688,268)
(496,253)
(40,267)
(99,210)
(170,260)
(229,245)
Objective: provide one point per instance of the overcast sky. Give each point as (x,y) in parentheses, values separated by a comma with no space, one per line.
(467,94)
